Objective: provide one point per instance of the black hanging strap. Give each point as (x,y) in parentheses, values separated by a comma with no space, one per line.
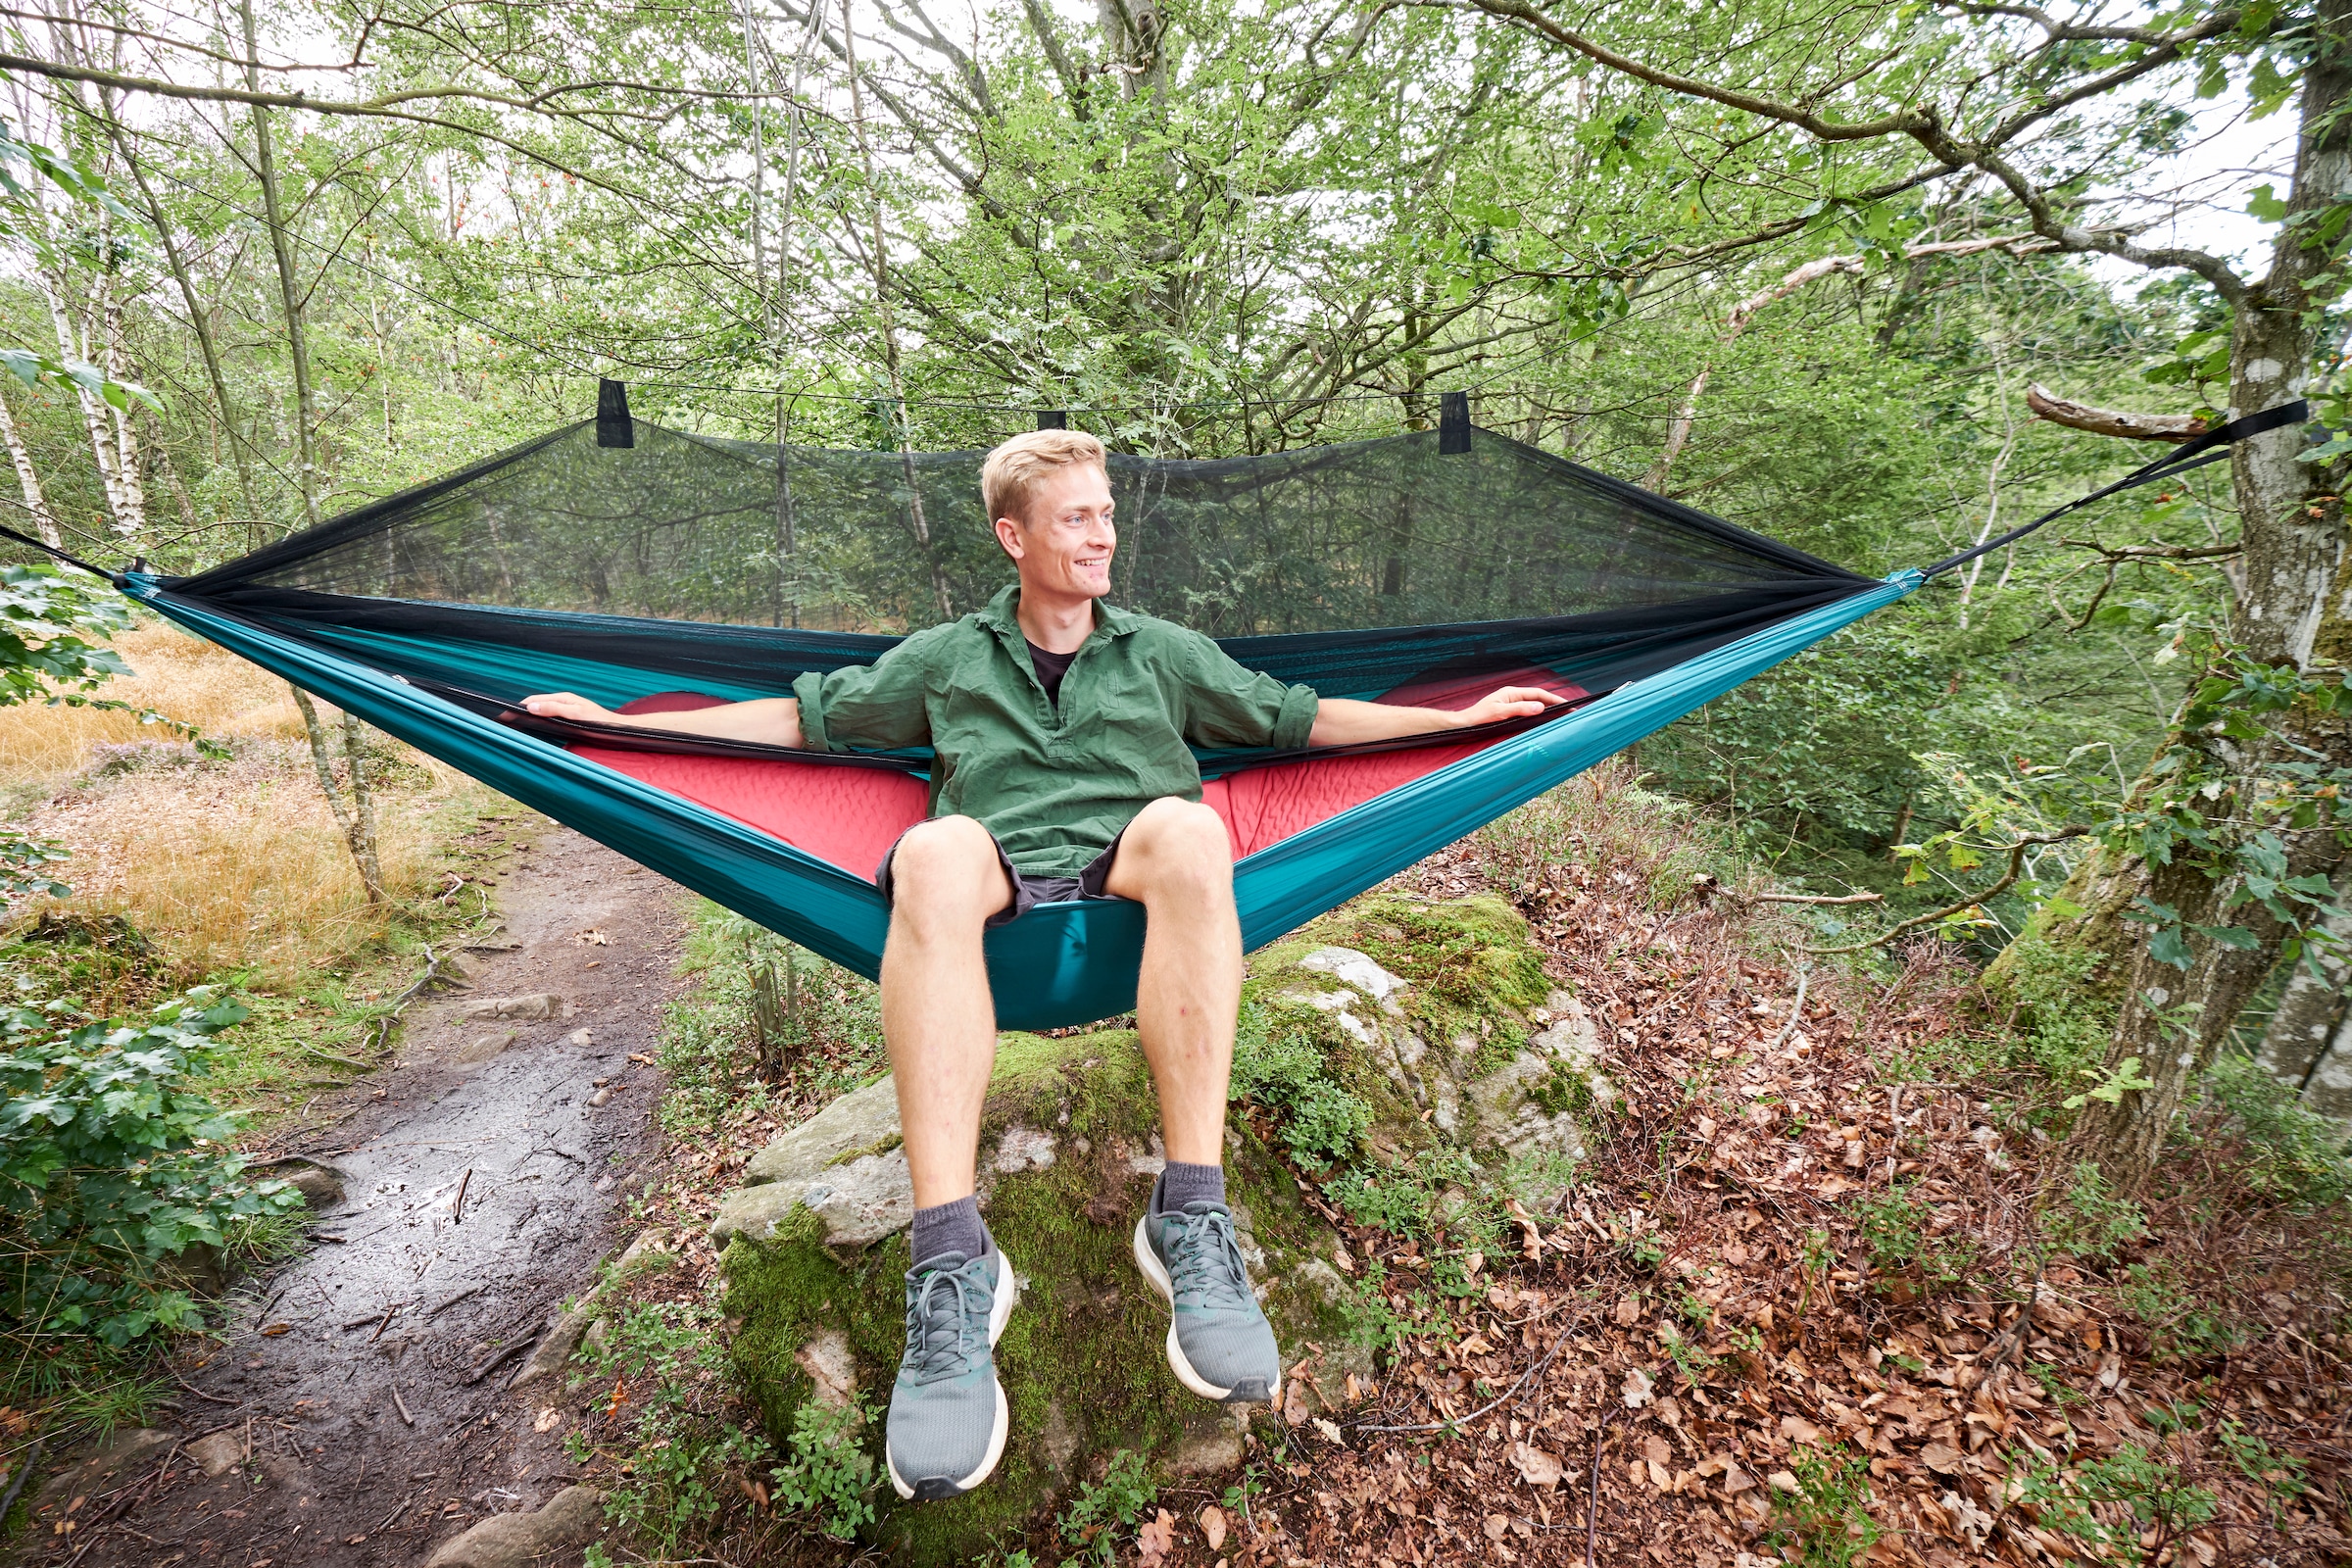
(1052,419)
(2192,455)
(1454,422)
(614,426)
(114,577)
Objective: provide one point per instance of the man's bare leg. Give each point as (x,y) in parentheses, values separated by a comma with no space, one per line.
(937,1015)
(1176,861)
(949,1417)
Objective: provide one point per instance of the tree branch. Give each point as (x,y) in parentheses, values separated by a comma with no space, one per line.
(2120,423)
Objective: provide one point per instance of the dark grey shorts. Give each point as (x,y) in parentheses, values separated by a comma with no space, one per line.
(1029,888)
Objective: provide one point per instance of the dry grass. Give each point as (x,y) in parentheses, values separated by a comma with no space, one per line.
(226,867)
(240,867)
(173,673)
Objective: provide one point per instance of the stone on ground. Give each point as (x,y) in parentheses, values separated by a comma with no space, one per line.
(565,1525)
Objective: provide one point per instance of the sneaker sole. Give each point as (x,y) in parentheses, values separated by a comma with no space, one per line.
(1156,1273)
(940,1488)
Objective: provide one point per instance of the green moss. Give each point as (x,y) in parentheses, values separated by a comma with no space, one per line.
(1087,1336)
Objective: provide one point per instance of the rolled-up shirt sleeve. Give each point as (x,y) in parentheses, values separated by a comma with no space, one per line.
(1228,705)
(873,706)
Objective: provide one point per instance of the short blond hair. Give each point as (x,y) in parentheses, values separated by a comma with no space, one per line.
(1014,470)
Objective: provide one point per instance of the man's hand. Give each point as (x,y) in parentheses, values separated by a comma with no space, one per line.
(570,705)
(1508,702)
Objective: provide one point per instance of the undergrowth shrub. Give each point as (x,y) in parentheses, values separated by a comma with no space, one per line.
(820,1024)
(679,1435)
(2292,1153)
(111,1167)
(827,1474)
(1284,1069)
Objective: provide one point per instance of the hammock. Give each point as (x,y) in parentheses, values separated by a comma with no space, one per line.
(654,569)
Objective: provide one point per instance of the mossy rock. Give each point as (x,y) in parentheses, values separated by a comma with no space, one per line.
(1069,1151)
(1407,1003)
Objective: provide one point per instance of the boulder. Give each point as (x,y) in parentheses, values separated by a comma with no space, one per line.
(542,1539)
(1392,1009)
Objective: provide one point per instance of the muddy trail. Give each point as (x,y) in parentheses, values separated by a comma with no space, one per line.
(359,1410)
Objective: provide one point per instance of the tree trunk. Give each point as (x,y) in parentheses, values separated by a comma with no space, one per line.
(281,245)
(2314,1010)
(44,522)
(2296,614)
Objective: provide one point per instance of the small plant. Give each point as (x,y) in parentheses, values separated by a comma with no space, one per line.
(1902,1235)
(2181,1322)
(2114,1504)
(1105,1512)
(1827,1519)
(2282,1475)
(827,1473)
(681,1443)
(1284,1071)
(2087,1220)
(1694,1364)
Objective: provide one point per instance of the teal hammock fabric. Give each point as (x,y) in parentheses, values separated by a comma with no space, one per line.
(1061,963)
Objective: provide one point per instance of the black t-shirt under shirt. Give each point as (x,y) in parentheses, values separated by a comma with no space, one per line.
(1051,667)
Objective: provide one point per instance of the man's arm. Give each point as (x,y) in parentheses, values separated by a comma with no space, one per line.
(1344,721)
(768,721)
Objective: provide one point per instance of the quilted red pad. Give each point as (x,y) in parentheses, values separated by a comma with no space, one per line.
(850,817)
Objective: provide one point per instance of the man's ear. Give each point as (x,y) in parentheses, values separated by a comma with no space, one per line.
(1009,538)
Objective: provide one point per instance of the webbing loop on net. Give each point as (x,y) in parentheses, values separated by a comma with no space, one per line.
(2192,454)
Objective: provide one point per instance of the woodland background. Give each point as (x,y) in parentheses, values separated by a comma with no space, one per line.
(1794,261)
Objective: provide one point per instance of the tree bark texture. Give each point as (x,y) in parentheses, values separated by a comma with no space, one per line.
(2296,614)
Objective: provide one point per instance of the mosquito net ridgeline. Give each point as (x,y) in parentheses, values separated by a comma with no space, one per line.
(637,564)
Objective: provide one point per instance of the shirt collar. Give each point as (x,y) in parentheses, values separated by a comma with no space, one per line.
(1002,613)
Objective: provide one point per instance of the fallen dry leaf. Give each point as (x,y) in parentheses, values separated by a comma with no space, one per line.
(547,1420)
(1497,1527)
(594,938)
(1781,1481)
(1940,1457)
(1212,1527)
(1330,1430)
(1536,1467)
(1157,1539)
(1797,1429)
(1636,1391)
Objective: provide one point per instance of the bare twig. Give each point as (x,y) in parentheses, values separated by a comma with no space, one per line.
(457,1208)
(402,1406)
(2124,422)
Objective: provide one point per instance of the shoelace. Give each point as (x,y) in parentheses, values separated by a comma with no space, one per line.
(936,1339)
(1205,1263)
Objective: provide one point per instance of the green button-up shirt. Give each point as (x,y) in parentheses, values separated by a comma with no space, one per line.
(1054,785)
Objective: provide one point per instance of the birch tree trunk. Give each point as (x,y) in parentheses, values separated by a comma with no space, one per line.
(36,507)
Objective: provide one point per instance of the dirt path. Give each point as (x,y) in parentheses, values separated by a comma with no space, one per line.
(365,1384)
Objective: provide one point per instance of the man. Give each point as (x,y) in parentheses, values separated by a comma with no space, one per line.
(1062,729)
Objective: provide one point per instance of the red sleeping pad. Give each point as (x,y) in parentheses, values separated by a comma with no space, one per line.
(850,817)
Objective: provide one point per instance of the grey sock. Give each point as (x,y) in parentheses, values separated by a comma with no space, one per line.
(1190,1183)
(947,1228)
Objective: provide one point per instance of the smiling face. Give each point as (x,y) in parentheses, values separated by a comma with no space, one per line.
(1065,543)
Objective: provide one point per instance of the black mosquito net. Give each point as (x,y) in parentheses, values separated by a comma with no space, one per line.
(1384,533)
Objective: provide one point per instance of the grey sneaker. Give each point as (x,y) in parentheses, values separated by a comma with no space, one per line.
(947,1416)
(1220,1342)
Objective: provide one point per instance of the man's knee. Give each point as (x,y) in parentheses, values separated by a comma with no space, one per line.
(1182,839)
(949,865)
